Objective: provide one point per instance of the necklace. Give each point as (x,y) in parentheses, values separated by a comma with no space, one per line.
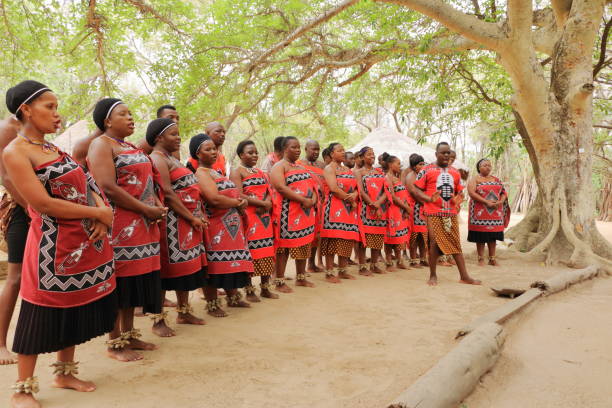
(47,147)
(122,143)
(251,170)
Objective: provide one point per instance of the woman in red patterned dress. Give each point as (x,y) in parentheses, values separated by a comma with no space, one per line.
(227,252)
(294,204)
(418,226)
(372,211)
(339,229)
(183,258)
(126,175)
(489,211)
(398,214)
(68,282)
(253,185)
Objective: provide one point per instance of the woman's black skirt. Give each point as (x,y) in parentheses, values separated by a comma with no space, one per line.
(482,237)
(228,280)
(42,329)
(141,291)
(186,283)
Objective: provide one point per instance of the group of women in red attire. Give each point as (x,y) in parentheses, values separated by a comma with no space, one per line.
(113,235)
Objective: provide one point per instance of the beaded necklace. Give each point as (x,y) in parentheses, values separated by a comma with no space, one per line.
(122,143)
(47,147)
(251,170)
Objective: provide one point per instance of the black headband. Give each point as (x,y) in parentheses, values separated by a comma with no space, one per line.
(23,93)
(157,127)
(103,110)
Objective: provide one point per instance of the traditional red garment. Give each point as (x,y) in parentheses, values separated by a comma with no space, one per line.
(374,185)
(446,180)
(259,227)
(483,218)
(226,245)
(61,267)
(322,190)
(218,166)
(339,219)
(398,225)
(135,241)
(296,225)
(182,251)
(417,219)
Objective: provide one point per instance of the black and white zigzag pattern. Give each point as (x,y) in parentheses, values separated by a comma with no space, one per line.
(225,185)
(175,254)
(369,222)
(56,169)
(401,233)
(123,160)
(49,281)
(228,256)
(129,253)
(297,177)
(417,214)
(254,181)
(345,176)
(484,223)
(399,187)
(261,243)
(183,182)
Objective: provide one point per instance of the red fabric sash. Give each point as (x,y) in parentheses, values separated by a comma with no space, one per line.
(259,226)
(296,225)
(182,251)
(226,245)
(135,241)
(61,267)
(485,219)
(339,220)
(398,226)
(374,185)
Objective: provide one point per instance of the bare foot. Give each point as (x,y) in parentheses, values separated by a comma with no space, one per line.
(138,312)
(161,329)
(253,298)
(305,283)
(424,263)
(331,278)
(391,268)
(470,281)
(481,262)
(444,263)
(351,262)
(22,400)
(416,266)
(188,318)
(284,288)
(72,383)
(493,262)
(265,293)
(402,265)
(314,269)
(169,303)
(218,312)
(124,354)
(6,357)
(345,275)
(136,344)
(239,303)
(365,272)
(433,281)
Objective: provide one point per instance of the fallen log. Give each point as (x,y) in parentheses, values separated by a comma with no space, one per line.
(565,279)
(454,377)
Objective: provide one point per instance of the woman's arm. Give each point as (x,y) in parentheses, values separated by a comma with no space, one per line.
(362,193)
(330,178)
(474,195)
(100,158)
(210,192)
(236,177)
(170,197)
(19,168)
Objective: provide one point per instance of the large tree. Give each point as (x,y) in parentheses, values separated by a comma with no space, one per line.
(553,108)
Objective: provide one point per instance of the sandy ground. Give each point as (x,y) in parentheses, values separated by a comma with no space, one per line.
(357,344)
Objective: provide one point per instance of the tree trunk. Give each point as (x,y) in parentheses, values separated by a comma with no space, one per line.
(556,124)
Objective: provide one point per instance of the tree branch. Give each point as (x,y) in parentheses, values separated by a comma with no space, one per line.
(364,69)
(297,33)
(147,9)
(561,8)
(520,18)
(94,21)
(467,75)
(487,34)
(602,52)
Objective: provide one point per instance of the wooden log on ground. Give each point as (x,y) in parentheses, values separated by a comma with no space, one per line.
(565,279)
(454,377)
(503,312)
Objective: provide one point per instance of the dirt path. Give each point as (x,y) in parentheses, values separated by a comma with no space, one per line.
(353,345)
